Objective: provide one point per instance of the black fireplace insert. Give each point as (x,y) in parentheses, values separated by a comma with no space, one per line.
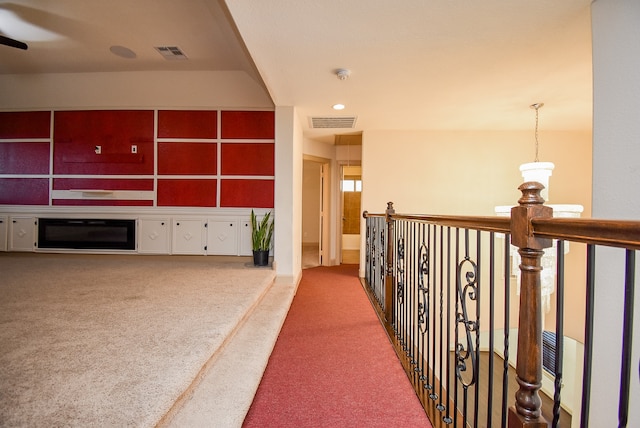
(95,234)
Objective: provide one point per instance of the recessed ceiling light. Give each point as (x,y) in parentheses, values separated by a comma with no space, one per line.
(338,106)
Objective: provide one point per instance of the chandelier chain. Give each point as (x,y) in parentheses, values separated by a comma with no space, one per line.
(536,106)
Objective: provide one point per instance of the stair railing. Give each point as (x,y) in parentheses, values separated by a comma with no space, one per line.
(425,275)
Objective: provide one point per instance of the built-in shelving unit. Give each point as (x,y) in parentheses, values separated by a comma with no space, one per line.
(189,178)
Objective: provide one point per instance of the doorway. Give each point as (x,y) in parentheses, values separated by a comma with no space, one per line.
(315,177)
(351,193)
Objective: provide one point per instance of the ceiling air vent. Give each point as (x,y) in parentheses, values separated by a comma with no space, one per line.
(320,122)
(171,52)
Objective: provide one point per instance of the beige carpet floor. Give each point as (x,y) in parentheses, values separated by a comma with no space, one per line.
(111,340)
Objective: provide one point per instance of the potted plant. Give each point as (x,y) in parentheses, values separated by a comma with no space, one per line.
(261,234)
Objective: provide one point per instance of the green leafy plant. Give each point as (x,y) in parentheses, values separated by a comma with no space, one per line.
(261,232)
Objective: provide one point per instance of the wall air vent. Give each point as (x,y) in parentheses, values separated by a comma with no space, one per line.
(322,122)
(171,52)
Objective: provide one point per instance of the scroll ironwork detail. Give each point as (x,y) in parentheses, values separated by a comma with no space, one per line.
(465,348)
(400,286)
(423,291)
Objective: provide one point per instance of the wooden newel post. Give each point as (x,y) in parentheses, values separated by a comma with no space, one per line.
(388,278)
(526,411)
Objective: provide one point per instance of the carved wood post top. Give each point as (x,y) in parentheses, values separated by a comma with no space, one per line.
(389,210)
(530,206)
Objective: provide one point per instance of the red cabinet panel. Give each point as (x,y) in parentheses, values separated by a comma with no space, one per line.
(187,124)
(187,193)
(77,133)
(24,158)
(247,193)
(114,125)
(187,158)
(247,159)
(24,191)
(25,124)
(102,184)
(248,124)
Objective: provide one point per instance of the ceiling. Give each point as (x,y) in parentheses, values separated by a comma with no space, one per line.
(415,64)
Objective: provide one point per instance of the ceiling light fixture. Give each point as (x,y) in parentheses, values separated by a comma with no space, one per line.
(540,172)
(342,74)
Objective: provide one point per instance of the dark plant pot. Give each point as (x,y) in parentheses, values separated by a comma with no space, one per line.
(261,258)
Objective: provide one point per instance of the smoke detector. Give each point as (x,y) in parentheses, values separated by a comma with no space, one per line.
(343,73)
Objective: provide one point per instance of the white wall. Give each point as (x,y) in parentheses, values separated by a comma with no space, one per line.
(226,89)
(468,173)
(616,180)
(288,200)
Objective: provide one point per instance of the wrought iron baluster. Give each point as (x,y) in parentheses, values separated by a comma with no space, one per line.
(456,333)
(423,298)
(411,321)
(588,337)
(466,352)
(477,326)
(559,357)
(627,335)
(434,287)
(415,328)
(447,416)
(428,348)
(441,350)
(411,296)
(399,281)
(492,308)
(507,315)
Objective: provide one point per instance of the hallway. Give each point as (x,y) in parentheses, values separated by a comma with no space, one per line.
(333,364)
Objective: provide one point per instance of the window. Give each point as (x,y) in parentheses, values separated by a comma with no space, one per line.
(351,185)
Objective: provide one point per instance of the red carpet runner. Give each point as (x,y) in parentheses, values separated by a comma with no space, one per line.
(332,365)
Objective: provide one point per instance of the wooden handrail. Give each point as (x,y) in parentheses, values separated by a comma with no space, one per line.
(620,233)
(614,233)
(486,223)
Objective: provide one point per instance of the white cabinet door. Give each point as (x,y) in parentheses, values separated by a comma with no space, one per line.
(153,236)
(22,235)
(3,232)
(189,236)
(246,246)
(222,237)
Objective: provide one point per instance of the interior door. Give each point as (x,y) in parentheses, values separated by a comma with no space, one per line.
(351,194)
